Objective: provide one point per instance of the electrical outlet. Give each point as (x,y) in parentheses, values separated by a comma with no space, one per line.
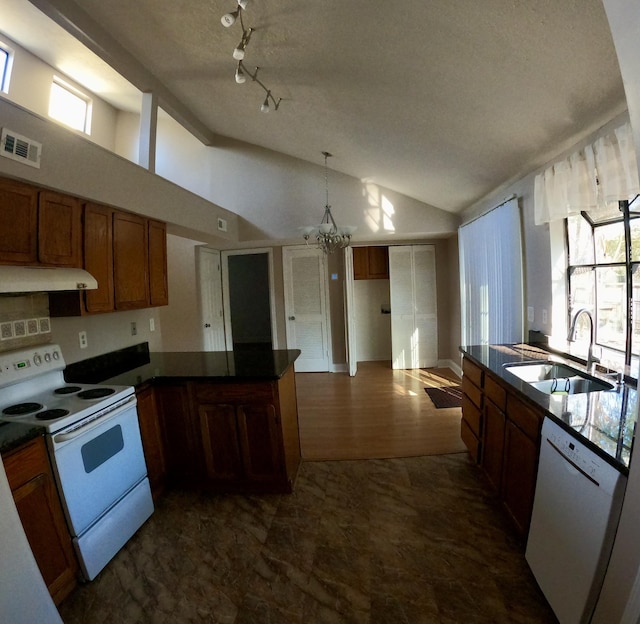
(6,330)
(530,314)
(134,329)
(152,324)
(19,329)
(44,325)
(32,327)
(82,339)
(544,317)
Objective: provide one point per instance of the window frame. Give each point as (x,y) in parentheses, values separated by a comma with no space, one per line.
(628,264)
(61,83)
(5,74)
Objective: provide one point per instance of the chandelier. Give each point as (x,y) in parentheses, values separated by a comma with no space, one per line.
(328,237)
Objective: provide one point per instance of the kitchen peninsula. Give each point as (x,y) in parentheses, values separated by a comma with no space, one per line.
(224,420)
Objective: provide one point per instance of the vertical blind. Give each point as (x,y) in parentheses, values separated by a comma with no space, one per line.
(491,285)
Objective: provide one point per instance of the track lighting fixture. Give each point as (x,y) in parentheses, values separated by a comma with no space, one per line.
(238,53)
(228,19)
(241,78)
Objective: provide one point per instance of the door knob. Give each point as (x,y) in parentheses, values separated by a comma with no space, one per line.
(207,325)
(292,318)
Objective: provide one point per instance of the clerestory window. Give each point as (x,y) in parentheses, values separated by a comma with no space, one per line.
(70,106)
(6,62)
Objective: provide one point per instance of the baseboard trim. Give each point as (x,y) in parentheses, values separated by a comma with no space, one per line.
(457,369)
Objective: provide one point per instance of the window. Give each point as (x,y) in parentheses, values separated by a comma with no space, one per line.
(69,106)
(6,63)
(603,277)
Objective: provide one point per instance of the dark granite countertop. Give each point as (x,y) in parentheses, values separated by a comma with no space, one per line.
(134,366)
(603,421)
(12,435)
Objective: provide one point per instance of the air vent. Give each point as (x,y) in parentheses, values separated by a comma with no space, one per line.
(20,148)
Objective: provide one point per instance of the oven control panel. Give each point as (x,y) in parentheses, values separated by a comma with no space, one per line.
(23,364)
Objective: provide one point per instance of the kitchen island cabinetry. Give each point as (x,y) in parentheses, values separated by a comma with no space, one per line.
(36,498)
(249,434)
(509,438)
(151,434)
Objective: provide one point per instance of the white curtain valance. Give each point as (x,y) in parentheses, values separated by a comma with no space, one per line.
(595,177)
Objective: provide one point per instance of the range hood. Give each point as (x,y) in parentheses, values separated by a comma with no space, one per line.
(23,279)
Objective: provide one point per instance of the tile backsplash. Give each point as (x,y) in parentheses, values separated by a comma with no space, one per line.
(24,321)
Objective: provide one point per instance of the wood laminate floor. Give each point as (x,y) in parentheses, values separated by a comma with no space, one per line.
(379,413)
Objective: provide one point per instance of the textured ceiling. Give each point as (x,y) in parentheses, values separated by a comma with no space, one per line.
(443,101)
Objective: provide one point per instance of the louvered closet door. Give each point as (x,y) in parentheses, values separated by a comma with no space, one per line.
(306,307)
(414,330)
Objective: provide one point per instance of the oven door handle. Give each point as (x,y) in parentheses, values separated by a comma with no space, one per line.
(94,422)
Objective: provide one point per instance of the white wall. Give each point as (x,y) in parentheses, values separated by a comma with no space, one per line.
(373,329)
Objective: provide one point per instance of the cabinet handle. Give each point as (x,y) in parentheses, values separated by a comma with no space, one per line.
(207,325)
(292,318)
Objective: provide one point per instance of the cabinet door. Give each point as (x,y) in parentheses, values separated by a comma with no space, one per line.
(36,499)
(493,443)
(18,223)
(519,476)
(220,445)
(158,291)
(360,262)
(181,451)
(260,442)
(151,435)
(378,262)
(130,261)
(59,230)
(98,256)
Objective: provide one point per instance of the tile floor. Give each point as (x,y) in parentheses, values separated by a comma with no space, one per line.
(373,541)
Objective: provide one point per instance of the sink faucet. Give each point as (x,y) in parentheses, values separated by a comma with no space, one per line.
(591,359)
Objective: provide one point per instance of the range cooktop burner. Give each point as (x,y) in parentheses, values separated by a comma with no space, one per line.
(51,414)
(95,393)
(20,409)
(67,390)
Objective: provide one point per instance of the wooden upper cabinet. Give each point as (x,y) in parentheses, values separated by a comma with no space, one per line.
(18,223)
(158,289)
(370,263)
(59,230)
(98,257)
(130,261)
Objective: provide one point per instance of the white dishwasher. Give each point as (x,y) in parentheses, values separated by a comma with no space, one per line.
(575,516)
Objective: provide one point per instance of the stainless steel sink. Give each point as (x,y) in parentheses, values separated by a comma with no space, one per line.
(557,378)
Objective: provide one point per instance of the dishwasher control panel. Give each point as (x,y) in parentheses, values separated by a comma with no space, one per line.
(579,456)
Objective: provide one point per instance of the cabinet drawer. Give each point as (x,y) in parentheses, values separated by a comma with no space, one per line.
(524,416)
(472,371)
(474,394)
(234,393)
(470,440)
(495,392)
(471,414)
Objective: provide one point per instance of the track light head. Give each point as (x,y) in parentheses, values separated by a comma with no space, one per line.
(229,19)
(241,77)
(243,3)
(265,108)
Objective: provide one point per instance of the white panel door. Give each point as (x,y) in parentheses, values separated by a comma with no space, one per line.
(307,323)
(350,313)
(414,328)
(210,279)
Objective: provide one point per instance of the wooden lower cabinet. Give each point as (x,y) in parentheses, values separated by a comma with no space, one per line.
(151,434)
(507,430)
(36,497)
(229,436)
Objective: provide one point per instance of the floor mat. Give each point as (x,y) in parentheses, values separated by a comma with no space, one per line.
(447,396)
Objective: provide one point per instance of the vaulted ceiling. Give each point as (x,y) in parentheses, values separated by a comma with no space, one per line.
(443,101)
